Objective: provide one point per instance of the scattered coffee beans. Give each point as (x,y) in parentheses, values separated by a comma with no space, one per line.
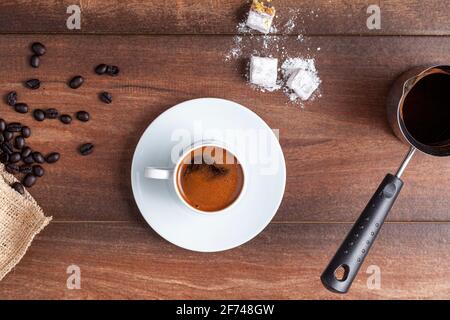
(14,153)
(25,169)
(19,142)
(33,84)
(12,168)
(38,48)
(14,157)
(11,98)
(38,171)
(19,158)
(107,69)
(101,69)
(29,180)
(52,157)
(65,118)
(82,116)
(28,160)
(39,114)
(4,157)
(106,97)
(14,127)
(26,151)
(7,148)
(51,113)
(18,187)
(113,71)
(35,61)
(21,107)
(38,157)
(76,82)
(7,135)
(86,149)
(26,132)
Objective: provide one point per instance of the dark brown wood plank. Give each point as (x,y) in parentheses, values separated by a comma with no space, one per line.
(337,148)
(126,260)
(220,17)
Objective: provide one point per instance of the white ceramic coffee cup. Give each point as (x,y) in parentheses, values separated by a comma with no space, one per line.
(170,173)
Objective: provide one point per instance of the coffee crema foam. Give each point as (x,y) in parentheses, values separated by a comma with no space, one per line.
(210,179)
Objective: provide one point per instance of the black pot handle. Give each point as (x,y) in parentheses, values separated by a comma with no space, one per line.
(342,269)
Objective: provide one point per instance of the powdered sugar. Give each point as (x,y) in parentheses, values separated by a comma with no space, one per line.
(278,44)
(248,41)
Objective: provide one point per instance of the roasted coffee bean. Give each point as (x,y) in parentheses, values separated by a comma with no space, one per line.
(38,157)
(8,135)
(21,107)
(26,132)
(38,171)
(25,169)
(86,149)
(26,151)
(33,84)
(101,69)
(38,48)
(65,118)
(11,98)
(18,187)
(2,138)
(106,97)
(12,168)
(14,157)
(19,142)
(35,61)
(76,82)
(29,180)
(52,157)
(2,125)
(83,116)
(7,148)
(51,113)
(28,160)
(14,127)
(4,157)
(113,70)
(39,114)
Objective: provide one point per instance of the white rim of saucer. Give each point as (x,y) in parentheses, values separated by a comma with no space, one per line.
(258,230)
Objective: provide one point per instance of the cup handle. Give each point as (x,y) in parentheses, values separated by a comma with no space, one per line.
(157,173)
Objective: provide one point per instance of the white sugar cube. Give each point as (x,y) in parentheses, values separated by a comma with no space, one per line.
(259,21)
(304,83)
(263,71)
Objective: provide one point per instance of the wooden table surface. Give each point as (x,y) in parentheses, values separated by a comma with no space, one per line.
(337,148)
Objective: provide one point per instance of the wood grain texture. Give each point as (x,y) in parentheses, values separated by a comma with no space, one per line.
(337,149)
(129,261)
(343,17)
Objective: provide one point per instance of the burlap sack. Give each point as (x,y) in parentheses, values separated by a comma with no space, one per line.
(21,219)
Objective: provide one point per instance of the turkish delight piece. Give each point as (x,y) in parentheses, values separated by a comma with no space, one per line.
(263,71)
(260,16)
(303,83)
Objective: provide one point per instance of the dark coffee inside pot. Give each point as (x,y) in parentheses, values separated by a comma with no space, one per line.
(210,179)
(426,110)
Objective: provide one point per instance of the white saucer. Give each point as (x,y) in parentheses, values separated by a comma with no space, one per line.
(174,221)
